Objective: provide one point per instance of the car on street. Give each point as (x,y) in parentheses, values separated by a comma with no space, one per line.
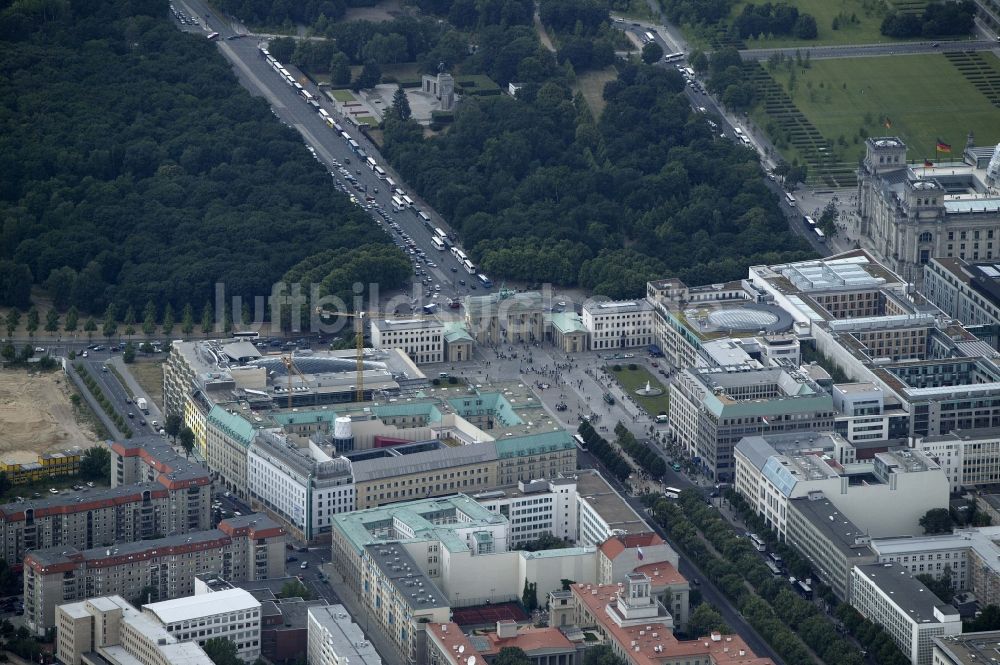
(305,564)
(291,559)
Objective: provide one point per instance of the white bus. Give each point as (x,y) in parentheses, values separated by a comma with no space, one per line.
(485,281)
(671,57)
(344,135)
(391,183)
(671,492)
(438,245)
(456,251)
(337,127)
(649,37)
(371,163)
(820,234)
(580,443)
(810,222)
(323,113)
(397,204)
(407,200)
(424,218)
(469,267)
(246,335)
(758,542)
(379,172)
(790,199)
(439,233)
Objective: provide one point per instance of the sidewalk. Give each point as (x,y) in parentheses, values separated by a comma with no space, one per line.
(134,388)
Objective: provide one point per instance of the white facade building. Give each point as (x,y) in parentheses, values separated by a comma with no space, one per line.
(302,487)
(619,324)
(904,484)
(969,457)
(536,508)
(909,612)
(334,639)
(120,635)
(421,339)
(233,615)
(602,512)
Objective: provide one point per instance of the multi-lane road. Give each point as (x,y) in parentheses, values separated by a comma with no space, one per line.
(870,50)
(334,153)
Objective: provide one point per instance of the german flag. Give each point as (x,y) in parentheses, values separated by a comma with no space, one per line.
(942,146)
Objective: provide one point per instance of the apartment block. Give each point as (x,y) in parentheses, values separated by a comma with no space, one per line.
(910,613)
(242,548)
(421,339)
(970,458)
(108,630)
(967,291)
(154,492)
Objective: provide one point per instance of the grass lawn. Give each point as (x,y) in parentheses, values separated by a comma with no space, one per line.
(924,96)
(632,380)
(591,84)
(343,95)
(149,375)
(869,15)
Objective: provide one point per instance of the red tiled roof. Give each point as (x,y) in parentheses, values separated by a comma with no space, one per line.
(529,639)
(661,573)
(615,545)
(653,644)
(451,638)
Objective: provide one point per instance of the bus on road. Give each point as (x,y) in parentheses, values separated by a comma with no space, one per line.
(820,235)
(485,281)
(397,204)
(672,492)
(648,36)
(580,443)
(438,245)
(213,35)
(810,222)
(246,335)
(469,266)
(671,57)
(790,199)
(758,542)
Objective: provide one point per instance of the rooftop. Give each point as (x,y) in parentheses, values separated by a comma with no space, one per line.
(533,641)
(384,467)
(653,644)
(344,636)
(971,648)
(984,541)
(204,605)
(906,592)
(424,519)
(663,573)
(841,532)
(615,545)
(412,586)
(606,307)
(454,643)
(391,325)
(607,503)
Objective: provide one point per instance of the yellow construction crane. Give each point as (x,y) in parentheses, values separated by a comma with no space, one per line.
(289,368)
(359,340)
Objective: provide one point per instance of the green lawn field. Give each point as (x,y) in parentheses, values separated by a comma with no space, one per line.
(869,14)
(632,380)
(925,97)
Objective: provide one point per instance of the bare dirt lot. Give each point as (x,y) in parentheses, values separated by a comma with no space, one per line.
(36,416)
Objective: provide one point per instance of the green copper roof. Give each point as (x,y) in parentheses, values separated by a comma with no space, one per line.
(534,444)
(234,426)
